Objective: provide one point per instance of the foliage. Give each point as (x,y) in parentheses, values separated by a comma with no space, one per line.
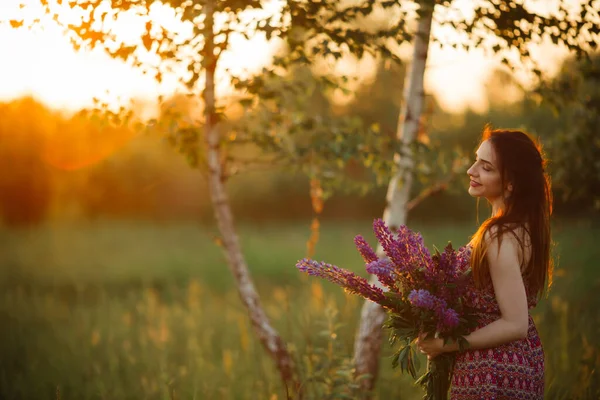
(69,151)
(506,27)
(85,165)
(58,303)
(280,115)
(311,31)
(575,148)
(425,295)
(295,121)
(329,373)
(25,182)
(562,111)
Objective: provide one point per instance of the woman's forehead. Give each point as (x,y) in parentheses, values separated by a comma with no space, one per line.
(486,152)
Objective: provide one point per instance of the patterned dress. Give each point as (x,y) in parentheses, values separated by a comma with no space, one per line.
(513,370)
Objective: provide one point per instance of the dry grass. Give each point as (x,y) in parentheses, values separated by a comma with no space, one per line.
(134,311)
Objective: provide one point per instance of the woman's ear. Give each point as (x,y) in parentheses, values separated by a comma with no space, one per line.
(509,187)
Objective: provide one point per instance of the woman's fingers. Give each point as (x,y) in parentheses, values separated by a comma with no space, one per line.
(423,349)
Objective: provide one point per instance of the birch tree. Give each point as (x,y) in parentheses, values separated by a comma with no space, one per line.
(312,31)
(188,46)
(506,28)
(368,341)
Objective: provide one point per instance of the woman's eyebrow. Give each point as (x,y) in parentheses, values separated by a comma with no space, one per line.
(485,161)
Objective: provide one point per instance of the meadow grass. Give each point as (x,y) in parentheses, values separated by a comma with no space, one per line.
(131,310)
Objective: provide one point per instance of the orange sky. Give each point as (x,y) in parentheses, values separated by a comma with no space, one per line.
(43,64)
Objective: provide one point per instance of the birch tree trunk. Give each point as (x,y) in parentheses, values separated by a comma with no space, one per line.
(368,341)
(268,336)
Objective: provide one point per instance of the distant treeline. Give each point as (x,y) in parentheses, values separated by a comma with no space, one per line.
(58,166)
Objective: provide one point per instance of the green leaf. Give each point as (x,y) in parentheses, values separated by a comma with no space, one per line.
(463,344)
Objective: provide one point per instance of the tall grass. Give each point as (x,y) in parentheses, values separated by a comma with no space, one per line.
(124,310)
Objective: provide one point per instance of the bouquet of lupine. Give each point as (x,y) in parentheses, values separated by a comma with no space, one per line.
(425,296)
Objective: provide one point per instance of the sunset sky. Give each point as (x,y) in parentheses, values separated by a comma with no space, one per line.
(43,64)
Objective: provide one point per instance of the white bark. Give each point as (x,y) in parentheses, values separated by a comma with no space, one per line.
(268,336)
(368,341)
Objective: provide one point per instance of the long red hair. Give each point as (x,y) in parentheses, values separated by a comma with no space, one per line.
(529,207)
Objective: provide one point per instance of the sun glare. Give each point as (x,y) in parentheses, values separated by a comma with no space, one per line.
(43,64)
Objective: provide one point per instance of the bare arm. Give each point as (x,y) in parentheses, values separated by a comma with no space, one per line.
(509,289)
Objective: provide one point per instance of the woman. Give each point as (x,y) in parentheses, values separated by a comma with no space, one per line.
(511,268)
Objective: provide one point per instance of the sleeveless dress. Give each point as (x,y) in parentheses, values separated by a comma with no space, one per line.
(514,370)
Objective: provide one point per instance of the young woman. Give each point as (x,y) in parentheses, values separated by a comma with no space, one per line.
(511,268)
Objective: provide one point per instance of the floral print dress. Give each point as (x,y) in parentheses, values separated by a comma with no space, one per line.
(514,370)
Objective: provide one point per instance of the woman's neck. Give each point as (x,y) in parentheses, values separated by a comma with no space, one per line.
(498,207)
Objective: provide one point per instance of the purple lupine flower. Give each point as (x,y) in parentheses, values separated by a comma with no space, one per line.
(454,272)
(448,260)
(383,269)
(407,250)
(440,306)
(434,283)
(396,251)
(381,266)
(366,251)
(449,319)
(423,299)
(447,275)
(347,279)
(462,272)
(454,262)
(463,258)
(415,246)
(414,240)
(386,240)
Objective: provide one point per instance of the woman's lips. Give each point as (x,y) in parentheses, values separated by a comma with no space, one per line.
(474,184)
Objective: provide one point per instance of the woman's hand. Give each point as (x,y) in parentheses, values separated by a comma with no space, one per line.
(433,347)
(430,347)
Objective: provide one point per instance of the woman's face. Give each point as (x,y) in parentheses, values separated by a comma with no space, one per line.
(484,174)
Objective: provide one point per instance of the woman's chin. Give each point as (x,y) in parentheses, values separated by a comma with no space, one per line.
(474,192)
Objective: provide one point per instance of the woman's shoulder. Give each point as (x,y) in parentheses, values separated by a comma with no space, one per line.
(511,237)
(511,230)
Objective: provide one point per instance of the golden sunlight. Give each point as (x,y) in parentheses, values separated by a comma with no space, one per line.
(79,144)
(41,63)
(44,65)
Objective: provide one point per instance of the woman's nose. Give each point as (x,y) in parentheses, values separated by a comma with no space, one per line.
(471,171)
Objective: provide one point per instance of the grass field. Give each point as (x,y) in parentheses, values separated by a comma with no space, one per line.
(130,310)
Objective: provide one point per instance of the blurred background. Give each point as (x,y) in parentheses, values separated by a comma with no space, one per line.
(113,281)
